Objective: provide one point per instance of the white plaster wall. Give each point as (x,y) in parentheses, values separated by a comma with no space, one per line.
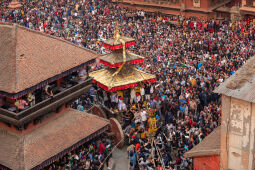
(252,140)
(239,134)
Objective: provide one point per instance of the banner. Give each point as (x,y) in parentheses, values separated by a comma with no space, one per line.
(196,3)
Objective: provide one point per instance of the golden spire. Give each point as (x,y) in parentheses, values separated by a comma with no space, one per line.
(117,31)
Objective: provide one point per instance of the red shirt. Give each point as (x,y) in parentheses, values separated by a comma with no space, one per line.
(101,148)
(137,146)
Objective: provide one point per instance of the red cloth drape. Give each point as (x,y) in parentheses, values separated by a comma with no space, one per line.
(122,87)
(119,64)
(115,47)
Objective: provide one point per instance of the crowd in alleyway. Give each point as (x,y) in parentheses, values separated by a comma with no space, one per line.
(190,59)
(94,155)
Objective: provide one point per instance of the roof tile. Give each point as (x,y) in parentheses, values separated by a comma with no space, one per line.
(29,57)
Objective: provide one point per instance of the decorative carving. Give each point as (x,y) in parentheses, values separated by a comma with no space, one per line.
(196,3)
(238,110)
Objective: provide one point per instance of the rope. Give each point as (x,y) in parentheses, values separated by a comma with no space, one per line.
(160,156)
(110,153)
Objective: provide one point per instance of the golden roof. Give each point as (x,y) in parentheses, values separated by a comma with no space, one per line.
(114,41)
(14,4)
(127,75)
(117,57)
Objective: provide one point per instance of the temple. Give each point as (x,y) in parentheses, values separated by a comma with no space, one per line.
(204,9)
(41,76)
(121,72)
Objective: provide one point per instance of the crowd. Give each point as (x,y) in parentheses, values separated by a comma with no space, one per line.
(94,155)
(189,56)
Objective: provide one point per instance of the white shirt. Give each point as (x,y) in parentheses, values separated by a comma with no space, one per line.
(143,116)
(142,91)
(151,90)
(121,105)
(138,98)
(82,72)
(132,93)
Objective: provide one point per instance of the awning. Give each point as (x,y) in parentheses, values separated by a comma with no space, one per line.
(50,141)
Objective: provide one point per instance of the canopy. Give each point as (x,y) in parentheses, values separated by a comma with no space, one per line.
(128,77)
(115,59)
(115,44)
(15,4)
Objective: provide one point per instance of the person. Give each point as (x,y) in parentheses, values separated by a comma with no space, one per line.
(152,123)
(20,104)
(82,74)
(101,147)
(189,60)
(108,155)
(48,90)
(142,91)
(31,99)
(132,158)
(133,96)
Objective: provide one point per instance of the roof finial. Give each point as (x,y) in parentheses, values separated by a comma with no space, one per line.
(117,32)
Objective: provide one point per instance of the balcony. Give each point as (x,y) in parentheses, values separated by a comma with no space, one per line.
(46,106)
(163,1)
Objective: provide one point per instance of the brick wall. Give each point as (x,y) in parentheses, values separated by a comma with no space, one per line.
(207,163)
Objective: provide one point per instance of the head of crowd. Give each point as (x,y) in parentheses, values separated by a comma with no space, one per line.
(189,56)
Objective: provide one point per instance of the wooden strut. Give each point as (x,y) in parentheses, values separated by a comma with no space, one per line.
(123,63)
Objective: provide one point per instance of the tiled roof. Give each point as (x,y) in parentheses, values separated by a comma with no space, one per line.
(29,150)
(241,84)
(209,146)
(29,57)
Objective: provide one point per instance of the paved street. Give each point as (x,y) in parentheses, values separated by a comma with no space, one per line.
(120,159)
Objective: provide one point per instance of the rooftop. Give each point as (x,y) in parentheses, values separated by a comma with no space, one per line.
(115,59)
(241,84)
(29,57)
(128,77)
(209,146)
(49,141)
(113,43)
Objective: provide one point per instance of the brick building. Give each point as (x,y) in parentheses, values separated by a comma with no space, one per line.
(205,9)
(248,8)
(235,139)
(206,155)
(35,133)
(238,119)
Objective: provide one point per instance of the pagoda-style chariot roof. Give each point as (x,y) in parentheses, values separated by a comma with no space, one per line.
(115,59)
(14,4)
(128,77)
(115,44)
